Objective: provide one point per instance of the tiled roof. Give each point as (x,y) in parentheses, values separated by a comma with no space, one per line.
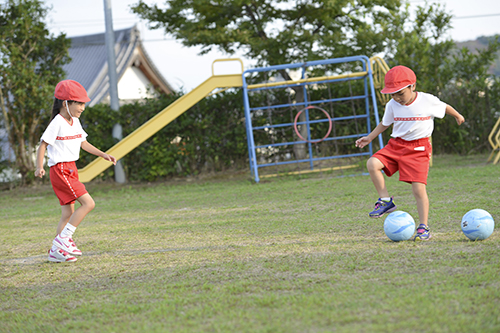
(89,62)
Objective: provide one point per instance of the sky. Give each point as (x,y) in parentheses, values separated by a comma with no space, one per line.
(184,69)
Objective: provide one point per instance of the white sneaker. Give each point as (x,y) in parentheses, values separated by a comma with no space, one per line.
(66,244)
(60,256)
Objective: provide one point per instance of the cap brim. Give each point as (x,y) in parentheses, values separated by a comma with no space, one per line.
(85,100)
(391,90)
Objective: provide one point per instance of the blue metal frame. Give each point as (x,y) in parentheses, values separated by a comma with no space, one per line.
(369,93)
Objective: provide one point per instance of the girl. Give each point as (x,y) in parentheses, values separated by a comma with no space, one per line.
(62,139)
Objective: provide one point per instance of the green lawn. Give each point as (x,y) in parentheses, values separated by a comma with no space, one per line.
(293,254)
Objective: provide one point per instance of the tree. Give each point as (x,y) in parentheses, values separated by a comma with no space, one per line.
(422,45)
(30,67)
(458,77)
(276,32)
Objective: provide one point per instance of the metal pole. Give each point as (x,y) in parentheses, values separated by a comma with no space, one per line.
(113,83)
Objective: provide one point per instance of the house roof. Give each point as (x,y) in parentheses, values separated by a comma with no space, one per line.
(89,62)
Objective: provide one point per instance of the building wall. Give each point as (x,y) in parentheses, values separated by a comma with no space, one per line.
(134,85)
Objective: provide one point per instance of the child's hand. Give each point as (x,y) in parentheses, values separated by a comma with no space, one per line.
(110,158)
(39,172)
(362,142)
(460,119)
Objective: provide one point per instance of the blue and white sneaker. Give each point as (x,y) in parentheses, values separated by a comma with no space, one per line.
(383,207)
(423,233)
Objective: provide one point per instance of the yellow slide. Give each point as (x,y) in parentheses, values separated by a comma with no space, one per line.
(181,105)
(162,119)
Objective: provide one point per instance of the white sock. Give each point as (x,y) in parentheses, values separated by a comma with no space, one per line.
(68,231)
(386,199)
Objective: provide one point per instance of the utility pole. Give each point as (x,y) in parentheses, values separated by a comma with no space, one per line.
(113,83)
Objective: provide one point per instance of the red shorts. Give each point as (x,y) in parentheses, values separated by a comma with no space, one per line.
(64,179)
(410,158)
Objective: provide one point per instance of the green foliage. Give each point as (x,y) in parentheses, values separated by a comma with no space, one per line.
(276,31)
(208,137)
(483,42)
(475,94)
(31,63)
(458,77)
(98,122)
(422,46)
(279,32)
(273,32)
(211,135)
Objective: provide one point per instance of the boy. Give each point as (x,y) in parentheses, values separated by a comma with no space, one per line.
(409,150)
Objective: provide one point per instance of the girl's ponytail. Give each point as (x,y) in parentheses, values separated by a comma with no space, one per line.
(58,104)
(56,108)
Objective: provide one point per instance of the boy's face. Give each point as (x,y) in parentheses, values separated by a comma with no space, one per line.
(405,96)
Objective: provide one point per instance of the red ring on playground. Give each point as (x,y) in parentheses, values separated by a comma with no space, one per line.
(307,108)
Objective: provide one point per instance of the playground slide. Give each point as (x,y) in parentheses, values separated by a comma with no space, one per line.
(159,121)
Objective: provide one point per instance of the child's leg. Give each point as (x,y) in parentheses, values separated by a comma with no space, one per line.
(57,243)
(374,168)
(64,239)
(420,193)
(384,204)
(87,204)
(66,212)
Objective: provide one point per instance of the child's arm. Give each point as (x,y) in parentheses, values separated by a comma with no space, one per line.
(452,112)
(40,154)
(94,151)
(362,142)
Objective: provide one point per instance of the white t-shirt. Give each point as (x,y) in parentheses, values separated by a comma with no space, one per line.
(64,140)
(414,121)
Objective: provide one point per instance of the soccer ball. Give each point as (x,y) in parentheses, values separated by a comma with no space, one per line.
(477,224)
(399,226)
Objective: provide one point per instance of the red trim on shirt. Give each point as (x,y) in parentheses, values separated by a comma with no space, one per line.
(71,137)
(416,95)
(412,118)
(70,123)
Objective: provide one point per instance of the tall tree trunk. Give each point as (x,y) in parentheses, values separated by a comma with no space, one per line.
(24,161)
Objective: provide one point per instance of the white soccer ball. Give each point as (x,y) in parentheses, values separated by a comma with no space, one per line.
(477,224)
(399,226)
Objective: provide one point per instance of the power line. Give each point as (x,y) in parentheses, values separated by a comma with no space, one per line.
(126,42)
(135,20)
(475,16)
(99,22)
(88,23)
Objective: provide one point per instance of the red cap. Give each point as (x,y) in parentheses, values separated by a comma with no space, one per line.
(398,78)
(69,90)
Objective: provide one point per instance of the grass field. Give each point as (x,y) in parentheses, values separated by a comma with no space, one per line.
(295,254)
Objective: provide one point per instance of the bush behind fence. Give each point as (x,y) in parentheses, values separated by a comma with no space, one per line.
(211,136)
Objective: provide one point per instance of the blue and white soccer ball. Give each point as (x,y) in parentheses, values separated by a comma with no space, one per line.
(399,226)
(477,224)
